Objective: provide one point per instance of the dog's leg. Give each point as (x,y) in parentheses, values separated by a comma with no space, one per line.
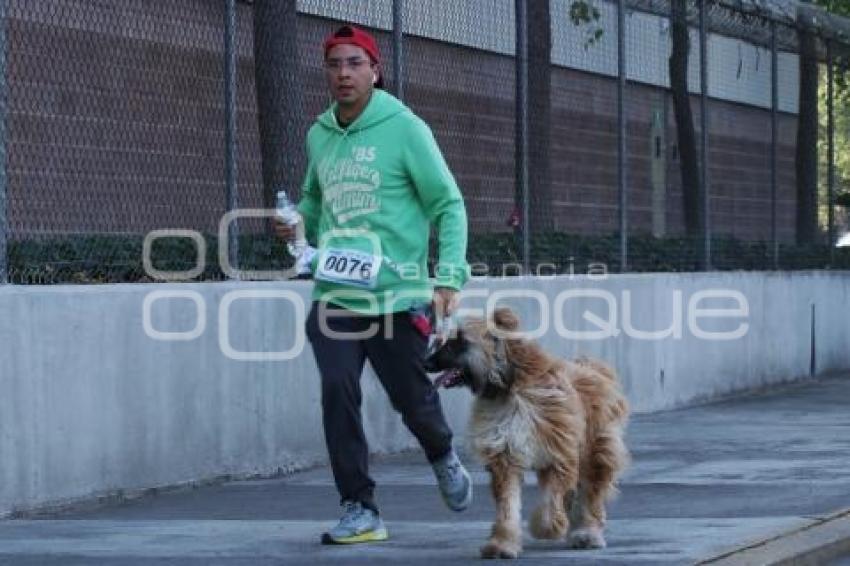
(506,535)
(586,528)
(549,519)
(607,457)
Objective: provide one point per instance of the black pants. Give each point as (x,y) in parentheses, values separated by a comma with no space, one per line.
(397,361)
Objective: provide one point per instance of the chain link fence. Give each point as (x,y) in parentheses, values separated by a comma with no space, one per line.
(122,121)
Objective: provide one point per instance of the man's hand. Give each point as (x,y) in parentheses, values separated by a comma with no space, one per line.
(444,302)
(284,231)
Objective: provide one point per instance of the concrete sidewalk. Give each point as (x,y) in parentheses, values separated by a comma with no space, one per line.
(704,481)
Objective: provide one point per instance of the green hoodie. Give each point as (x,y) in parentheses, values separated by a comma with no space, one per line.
(369,196)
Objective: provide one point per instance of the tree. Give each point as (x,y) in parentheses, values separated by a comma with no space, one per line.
(806,158)
(806,152)
(688,160)
(811,151)
(279,96)
(842,144)
(841,103)
(582,12)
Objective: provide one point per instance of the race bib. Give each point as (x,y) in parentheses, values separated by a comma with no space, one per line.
(348,267)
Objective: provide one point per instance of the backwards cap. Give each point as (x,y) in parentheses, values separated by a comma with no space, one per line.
(350,35)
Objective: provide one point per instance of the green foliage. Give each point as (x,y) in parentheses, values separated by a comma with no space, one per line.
(842,78)
(840,7)
(583,13)
(841,141)
(561,253)
(118,258)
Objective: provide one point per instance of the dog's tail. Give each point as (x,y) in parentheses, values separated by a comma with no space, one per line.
(620,407)
(598,366)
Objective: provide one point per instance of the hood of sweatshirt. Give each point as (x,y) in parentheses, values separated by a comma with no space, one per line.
(380,108)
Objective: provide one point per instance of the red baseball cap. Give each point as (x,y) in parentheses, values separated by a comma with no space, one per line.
(350,35)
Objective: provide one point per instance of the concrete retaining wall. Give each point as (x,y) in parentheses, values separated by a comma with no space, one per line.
(90,404)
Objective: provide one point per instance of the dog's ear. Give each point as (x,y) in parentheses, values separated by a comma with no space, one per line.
(505,319)
(501,375)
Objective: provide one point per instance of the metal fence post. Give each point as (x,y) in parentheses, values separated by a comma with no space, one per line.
(704,177)
(4,223)
(230,127)
(621,122)
(521,120)
(398,48)
(774,144)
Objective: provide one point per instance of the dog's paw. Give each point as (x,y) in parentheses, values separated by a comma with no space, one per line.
(589,537)
(500,549)
(543,525)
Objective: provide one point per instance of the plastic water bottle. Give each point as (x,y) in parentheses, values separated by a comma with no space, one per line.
(288,214)
(286,209)
(298,247)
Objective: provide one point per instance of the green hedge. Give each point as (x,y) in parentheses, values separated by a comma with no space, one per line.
(572,253)
(118,258)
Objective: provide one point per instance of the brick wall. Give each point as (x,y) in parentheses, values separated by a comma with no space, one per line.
(116,124)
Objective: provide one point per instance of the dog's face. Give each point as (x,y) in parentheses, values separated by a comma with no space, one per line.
(475,355)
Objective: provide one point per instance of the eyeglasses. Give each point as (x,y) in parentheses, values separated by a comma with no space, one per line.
(353,63)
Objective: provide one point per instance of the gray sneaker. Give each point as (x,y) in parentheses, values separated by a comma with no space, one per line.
(358,524)
(454,482)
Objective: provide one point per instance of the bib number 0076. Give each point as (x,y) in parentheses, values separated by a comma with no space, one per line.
(353,267)
(348,267)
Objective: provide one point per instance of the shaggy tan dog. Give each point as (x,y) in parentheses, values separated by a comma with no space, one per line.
(563,419)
